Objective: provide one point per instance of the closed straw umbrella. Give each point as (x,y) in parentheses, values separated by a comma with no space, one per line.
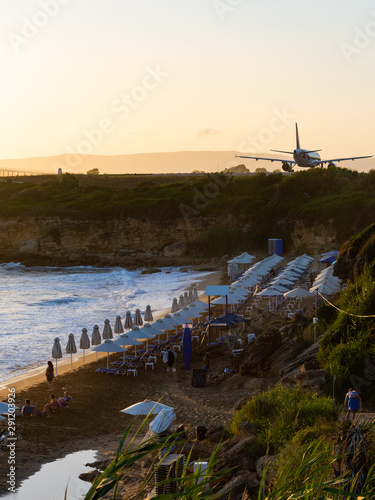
(118,325)
(84,342)
(128,321)
(107,330)
(186,298)
(191,297)
(71,348)
(148,314)
(195,294)
(138,318)
(56,351)
(95,337)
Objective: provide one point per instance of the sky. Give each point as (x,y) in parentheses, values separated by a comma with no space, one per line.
(141,76)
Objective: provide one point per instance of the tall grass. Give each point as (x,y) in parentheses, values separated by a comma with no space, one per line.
(279,413)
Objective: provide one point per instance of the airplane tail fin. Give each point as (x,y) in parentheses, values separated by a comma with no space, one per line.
(297,138)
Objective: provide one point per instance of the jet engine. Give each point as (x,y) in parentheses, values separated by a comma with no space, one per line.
(287,167)
(332,164)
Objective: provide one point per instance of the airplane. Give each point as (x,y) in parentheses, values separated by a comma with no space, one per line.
(303,158)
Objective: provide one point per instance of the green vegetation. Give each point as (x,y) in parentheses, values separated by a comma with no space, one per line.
(253,207)
(279,414)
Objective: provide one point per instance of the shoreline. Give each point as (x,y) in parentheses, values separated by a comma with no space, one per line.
(36,375)
(100,430)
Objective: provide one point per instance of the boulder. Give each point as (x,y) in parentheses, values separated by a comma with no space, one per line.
(255,359)
(307,357)
(265,462)
(175,249)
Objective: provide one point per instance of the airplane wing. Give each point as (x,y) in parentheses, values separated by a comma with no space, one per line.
(322,162)
(291,162)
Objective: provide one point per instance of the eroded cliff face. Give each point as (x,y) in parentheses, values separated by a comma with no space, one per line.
(130,242)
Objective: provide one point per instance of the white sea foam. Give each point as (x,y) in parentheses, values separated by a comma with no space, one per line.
(41,303)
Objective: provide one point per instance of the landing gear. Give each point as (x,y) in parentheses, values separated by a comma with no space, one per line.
(287,167)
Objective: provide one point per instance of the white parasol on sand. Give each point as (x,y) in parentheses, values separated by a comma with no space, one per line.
(145,407)
(128,321)
(107,330)
(127,340)
(56,350)
(109,346)
(95,337)
(118,325)
(138,318)
(148,314)
(71,348)
(84,342)
(174,307)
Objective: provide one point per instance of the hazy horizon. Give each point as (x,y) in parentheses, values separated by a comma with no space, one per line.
(156,163)
(139,76)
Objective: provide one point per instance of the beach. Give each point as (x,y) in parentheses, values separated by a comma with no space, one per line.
(94,420)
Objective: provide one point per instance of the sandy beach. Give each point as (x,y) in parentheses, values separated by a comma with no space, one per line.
(94,420)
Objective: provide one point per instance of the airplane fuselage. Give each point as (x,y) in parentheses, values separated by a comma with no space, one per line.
(306,158)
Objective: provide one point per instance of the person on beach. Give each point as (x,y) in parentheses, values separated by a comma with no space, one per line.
(207,368)
(27,409)
(65,400)
(352,403)
(51,406)
(170,359)
(50,374)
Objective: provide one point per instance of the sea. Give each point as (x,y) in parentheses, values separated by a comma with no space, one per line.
(40,303)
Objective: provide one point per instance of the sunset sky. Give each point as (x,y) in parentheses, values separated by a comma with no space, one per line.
(139,76)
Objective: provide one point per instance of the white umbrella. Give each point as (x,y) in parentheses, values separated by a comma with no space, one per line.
(109,346)
(128,321)
(146,333)
(95,337)
(127,340)
(118,325)
(269,292)
(84,342)
(71,348)
(138,318)
(56,350)
(163,420)
(148,314)
(325,289)
(145,407)
(174,307)
(195,294)
(297,293)
(186,298)
(107,330)
(191,296)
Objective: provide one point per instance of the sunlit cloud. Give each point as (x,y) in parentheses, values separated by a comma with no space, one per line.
(206,132)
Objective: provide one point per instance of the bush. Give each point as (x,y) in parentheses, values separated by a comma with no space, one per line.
(281,412)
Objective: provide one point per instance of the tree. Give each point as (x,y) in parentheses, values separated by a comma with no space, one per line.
(93,171)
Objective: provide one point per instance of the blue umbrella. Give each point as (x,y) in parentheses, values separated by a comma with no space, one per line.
(187,347)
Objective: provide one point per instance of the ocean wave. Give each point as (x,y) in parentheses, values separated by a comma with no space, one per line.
(12,266)
(59,301)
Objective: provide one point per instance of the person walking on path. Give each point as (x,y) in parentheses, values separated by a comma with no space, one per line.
(170,359)
(352,403)
(50,374)
(207,367)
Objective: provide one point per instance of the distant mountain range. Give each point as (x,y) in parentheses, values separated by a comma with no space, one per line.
(153,163)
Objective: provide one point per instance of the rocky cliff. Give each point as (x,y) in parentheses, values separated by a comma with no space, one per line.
(126,242)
